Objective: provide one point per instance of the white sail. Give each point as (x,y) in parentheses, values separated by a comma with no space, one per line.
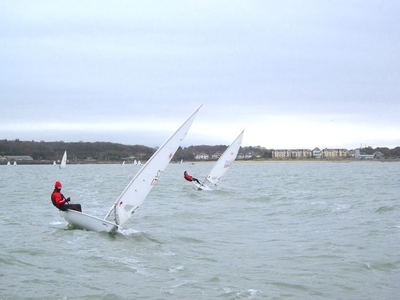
(139,187)
(224,162)
(64,160)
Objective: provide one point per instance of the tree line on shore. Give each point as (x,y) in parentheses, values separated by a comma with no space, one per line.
(114,152)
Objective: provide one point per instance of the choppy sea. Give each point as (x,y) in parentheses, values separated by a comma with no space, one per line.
(273,230)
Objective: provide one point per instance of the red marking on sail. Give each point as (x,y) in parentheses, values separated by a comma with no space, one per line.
(170,156)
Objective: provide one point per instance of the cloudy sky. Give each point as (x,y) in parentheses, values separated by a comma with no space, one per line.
(293,74)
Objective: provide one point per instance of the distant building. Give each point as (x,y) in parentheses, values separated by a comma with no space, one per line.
(248,156)
(357,154)
(335,153)
(202,156)
(317,153)
(240,156)
(129,158)
(17,157)
(306,153)
(90,159)
(280,153)
(296,153)
(216,155)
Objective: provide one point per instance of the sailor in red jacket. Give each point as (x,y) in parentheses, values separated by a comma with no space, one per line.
(190,178)
(60,201)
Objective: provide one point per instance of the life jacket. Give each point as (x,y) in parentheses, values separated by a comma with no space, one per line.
(188,177)
(52,199)
(57,198)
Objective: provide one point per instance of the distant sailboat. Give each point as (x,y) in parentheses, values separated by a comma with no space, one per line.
(136,191)
(63,163)
(54,163)
(15,163)
(135,162)
(123,163)
(222,165)
(8,163)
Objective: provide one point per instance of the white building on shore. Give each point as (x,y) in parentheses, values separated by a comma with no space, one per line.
(306,153)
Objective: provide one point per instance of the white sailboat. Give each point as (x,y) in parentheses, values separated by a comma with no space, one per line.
(221,166)
(15,163)
(136,191)
(63,160)
(54,163)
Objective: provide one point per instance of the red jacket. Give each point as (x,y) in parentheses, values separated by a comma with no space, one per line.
(188,177)
(57,198)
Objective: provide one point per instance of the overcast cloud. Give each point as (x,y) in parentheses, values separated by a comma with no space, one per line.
(293,74)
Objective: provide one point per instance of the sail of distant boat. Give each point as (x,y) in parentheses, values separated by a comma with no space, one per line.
(222,165)
(63,163)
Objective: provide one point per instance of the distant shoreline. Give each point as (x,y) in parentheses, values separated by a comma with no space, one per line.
(22,162)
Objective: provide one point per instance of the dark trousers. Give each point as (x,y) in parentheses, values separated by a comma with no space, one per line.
(195,179)
(76,207)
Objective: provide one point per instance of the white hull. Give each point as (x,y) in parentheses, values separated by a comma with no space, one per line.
(203,187)
(88,222)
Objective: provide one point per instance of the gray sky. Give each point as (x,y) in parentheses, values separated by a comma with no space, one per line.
(293,74)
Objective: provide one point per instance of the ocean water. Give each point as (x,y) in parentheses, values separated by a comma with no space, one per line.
(273,230)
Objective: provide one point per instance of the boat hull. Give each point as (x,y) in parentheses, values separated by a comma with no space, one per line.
(84,221)
(203,186)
